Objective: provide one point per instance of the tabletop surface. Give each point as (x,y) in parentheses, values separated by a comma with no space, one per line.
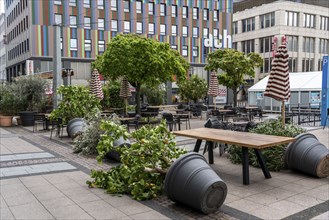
(245,139)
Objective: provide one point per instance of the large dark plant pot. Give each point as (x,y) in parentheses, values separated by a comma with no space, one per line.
(27,118)
(75,127)
(308,155)
(114,155)
(191,181)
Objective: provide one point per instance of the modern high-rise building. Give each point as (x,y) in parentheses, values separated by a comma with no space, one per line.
(2,49)
(190,26)
(305,24)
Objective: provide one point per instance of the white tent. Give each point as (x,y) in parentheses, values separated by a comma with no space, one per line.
(305,91)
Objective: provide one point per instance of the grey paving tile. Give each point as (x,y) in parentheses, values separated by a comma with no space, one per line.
(3,204)
(295,187)
(27,156)
(149,215)
(13,190)
(102,210)
(279,194)
(231,198)
(241,192)
(13,171)
(9,182)
(134,208)
(117,201)
(304,200)
(58,202)
(83,198)
(5,213)
(67,185)
(69,212)
(268,213)
(287,207)
(56,178)
(33,181)
(318,194)
(245,205)
(31,211)
(53,194)
(21,199)
(42,188)
(324,216)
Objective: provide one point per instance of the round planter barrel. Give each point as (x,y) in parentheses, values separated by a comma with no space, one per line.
(75,127)
(27,118)
(118,143)
(191,181)
(308,155)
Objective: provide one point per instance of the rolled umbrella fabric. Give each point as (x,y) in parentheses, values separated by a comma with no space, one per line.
(125,92)
(213,89)
(95,85)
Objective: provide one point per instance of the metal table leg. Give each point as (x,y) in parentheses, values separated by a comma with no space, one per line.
(197,145)
(262,164)
(245,165)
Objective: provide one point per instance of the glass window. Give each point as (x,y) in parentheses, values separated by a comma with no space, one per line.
(173,11)
(216,33)
(73,3)
(86,3)
(151,8)
(151,28)
(162,29)
(185,12)
(215,15)
(163,9)
(248,46)
(174,47)
(57,2)
(205,32)
(174,30)
(195,13)
(86,22)
(58,19)
(265,44)
(307,65)
(291,18)
(235,27)
(185,31)
(101,46)
(126,27)
(126,6)
(101,23)
(184,51)
(73,21)
(195,32)
(114,25)
(139,27)
(309,21)
(195,51)
(248,24)
(114,5)
(308,44)
(73,44)
(292,64)
(324,46)
(139,7)
(292,44)
(206,14)
(87,45)
(100,4)
(324,23)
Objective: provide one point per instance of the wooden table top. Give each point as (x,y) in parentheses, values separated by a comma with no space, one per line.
(162,106)
(243,139)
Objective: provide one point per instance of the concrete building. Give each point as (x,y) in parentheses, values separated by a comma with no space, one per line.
(305,23)
(2,48)
(88,25)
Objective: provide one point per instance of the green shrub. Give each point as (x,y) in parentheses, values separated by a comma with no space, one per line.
(77,102)
(111,92)
(274,156)
(155,95)
(144,163)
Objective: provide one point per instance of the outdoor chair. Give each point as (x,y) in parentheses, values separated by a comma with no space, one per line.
(58,127)
(39,119)
(185,118)
(171,122)
(134,123)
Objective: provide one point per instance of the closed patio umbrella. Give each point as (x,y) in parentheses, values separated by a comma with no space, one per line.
(213,89)
(125,92)
(95,85)
(278,85)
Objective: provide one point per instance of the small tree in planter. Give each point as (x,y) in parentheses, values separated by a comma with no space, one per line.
(194,89)
(274,156)
(144,163)
(111,91)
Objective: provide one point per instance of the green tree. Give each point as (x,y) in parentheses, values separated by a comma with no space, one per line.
(142,61)
(193,89)
(111,92)
(155,95)
(235,65)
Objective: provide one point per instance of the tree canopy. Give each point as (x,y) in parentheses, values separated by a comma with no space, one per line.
(235,65)
(141,60)
(193,89)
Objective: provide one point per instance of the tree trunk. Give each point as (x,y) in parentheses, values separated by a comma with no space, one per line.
(235,95)
(138,99)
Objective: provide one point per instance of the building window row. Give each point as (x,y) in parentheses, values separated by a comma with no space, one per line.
(324,23)
(16,31)
(267,20)
(309,21)
(308,44)
(324,46)
(265,44)
(307,65)
(292,18)
(248,46)
(248,24)
(292,44)
(21,5)
(19,49)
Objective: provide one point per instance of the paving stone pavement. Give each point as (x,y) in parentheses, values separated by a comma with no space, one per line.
(57,189)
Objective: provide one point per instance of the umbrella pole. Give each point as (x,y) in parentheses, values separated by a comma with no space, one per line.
(214,100)
(283,114)
(126,106)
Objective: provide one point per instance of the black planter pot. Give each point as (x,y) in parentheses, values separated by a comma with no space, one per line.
(27,118)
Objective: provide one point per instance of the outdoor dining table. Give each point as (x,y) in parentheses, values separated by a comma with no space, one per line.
(178,116)
(245,140)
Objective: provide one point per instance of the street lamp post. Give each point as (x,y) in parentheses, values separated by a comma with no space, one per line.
(66,75)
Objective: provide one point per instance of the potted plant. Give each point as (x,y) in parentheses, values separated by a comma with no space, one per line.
(33,96)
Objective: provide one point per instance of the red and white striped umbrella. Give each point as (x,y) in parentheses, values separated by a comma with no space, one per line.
(125,89)
(95,85)
(278,85)
(213,89)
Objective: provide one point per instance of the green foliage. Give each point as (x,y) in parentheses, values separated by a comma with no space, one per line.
(193,89)
(10,100)
(144,163)
(274,156)
(33,92)
(235,65)
(141,60)
(111,92)
(155,95)
(77,102)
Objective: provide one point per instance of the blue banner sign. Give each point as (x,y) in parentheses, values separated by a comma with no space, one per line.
(325,90)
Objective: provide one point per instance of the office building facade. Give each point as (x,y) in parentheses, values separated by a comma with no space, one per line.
(2,49)
(304,23)
(189,26)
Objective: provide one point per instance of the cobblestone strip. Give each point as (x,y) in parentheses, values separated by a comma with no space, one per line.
(60,149)
(31,161)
